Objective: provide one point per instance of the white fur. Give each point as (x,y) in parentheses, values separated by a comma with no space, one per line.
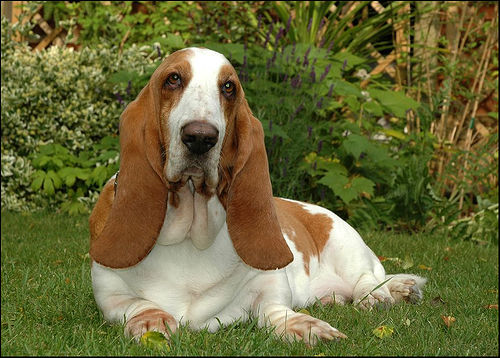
(194,273)
(200,101)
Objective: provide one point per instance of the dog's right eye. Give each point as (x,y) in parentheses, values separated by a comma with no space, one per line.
(173,81)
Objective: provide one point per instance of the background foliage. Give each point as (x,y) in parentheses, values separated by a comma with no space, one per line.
(334,134)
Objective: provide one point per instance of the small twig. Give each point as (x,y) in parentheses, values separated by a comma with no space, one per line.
(123,41)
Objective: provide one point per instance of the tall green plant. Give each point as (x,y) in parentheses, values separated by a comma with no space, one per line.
(338,25)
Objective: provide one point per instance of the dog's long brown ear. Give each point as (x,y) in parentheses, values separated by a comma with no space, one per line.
(251,215)
(138,209)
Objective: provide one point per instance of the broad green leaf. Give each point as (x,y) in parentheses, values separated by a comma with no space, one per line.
(55,179)
(356,144)
(394,102)
(82,173)
(48,186)
(374,108)
(344,88)
(362,185)
(350,59)
(70,180)
(39,162)
(340,186)
(38,181)
(155,340)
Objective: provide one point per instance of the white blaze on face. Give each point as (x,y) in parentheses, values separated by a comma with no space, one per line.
(200,101)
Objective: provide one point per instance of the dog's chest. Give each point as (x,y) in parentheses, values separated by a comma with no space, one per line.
(192,285)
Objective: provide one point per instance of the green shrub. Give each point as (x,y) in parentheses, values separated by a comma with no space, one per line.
(56,96)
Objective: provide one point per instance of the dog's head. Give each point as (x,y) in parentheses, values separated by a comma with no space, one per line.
(192,122)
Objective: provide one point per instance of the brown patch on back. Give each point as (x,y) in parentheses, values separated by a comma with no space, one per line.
(309,232)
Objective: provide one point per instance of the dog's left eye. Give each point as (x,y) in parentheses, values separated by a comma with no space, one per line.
(173,81)
(228,89)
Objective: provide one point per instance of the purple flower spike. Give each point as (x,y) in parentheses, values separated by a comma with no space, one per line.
(344,65)
(327,69)
(330,91)
(322,42)
(260,19)
(285,78)
(296,81)
(298,60)
(309,25)
(273,59)
(119,98)
(321,24)
(319,104)
(309,131)
(129,87)
(293,48)
(288,23)
(159,51)
(313,75)
(268,33)
(307,52)
(278,36)
(330,46)
(320,145)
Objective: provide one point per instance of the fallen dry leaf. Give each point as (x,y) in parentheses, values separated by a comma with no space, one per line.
(383,331)
(382,258)
(448,320)
(423,267)
(491,307)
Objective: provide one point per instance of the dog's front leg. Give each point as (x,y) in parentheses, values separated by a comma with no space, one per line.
(272,307)
(119,304)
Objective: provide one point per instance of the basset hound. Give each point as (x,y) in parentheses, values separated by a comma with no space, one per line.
(190,232)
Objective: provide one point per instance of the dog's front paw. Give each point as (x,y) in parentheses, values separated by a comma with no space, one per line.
(309,329)
(150,320)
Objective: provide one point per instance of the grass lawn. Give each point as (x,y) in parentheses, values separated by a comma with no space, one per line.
(48,307)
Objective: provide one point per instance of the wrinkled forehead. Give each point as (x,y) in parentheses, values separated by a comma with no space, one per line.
(205,62)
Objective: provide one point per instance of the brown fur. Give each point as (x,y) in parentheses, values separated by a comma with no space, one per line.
(309,232)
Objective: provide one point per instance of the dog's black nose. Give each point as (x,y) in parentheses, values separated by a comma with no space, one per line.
(199,136)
